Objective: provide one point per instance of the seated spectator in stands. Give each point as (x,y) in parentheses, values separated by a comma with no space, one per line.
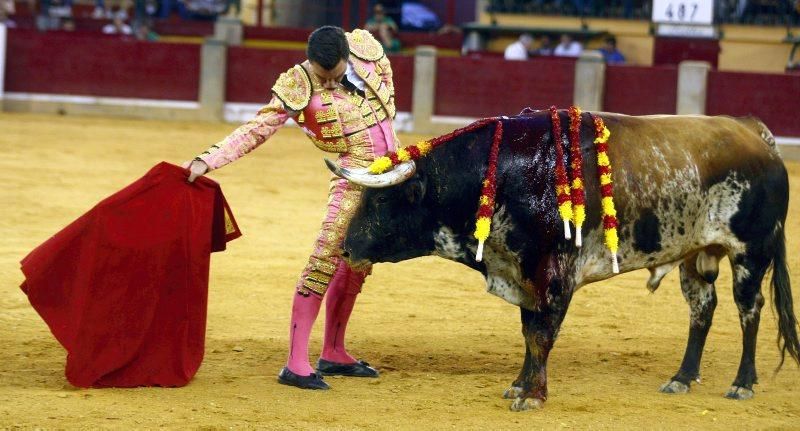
(545,47)
(519,49)
(68,24)
(384,28)
(117,26)
(234,8)
(568,47)
(99,10)
(60,8)
(6,9)
(121,10)
(610,52)
(144,31)
(584,7)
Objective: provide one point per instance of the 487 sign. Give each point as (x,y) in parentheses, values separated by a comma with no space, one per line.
(683,12)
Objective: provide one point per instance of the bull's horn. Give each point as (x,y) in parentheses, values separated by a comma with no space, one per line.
(363,177)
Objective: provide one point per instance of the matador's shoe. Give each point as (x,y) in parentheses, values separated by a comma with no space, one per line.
(312,381)
(356,369)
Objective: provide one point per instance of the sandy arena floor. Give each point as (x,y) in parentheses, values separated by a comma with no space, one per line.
(447,350)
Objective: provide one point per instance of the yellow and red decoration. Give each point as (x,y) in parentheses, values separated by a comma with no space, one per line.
(486,209)
(563,197)
(610,221)
(570,195)
(422,148)
(577,191)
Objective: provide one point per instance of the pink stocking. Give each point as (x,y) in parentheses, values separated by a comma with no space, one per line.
(304,312)
(342,292)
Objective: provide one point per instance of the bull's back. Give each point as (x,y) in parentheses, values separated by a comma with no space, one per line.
(715,144)
(680,181)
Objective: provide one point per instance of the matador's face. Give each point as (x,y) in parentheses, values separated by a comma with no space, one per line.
(330,79)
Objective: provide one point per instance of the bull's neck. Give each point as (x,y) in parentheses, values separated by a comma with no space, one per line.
(454,173)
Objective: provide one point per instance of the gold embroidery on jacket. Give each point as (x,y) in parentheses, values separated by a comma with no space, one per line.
(326,116)
(293,87)
(333,130)
(364,46)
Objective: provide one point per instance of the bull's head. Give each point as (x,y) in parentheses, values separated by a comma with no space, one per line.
(392,222)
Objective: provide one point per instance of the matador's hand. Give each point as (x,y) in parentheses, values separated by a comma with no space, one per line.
(196,169)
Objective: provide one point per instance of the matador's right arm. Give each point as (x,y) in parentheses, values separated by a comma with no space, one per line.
(291,94)
(248,136)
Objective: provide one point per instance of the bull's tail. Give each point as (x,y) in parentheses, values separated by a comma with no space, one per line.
(782,299)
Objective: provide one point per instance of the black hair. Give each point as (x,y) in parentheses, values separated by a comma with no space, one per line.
(611,40)
(327,46)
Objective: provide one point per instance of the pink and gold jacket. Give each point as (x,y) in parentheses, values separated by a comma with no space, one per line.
(336,121)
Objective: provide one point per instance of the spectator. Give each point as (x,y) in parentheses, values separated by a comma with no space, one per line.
(584,7)
(6,9)
(117,26)
(568,47)
(545,46)
(99,9)
(60,9)
(144,31)
(610,52)
(519,49)
(384,28)
(68,24)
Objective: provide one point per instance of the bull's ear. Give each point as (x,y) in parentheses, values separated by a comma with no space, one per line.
(415,189)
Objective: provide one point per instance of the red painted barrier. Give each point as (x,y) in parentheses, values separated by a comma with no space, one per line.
(410,39)
(403,72)
(639,90)
(483,87)
(252,71)
(673,50)
(774,98)
(292,34)
(98,65)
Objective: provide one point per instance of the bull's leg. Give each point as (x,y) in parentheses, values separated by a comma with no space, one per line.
(747,275)
(702,299)
(540,329)
(516,388)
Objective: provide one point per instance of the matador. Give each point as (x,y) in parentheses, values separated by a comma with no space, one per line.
(343,98)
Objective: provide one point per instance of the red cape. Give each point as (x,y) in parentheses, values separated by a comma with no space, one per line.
(124,287)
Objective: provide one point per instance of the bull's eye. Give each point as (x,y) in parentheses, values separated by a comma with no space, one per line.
(381,199)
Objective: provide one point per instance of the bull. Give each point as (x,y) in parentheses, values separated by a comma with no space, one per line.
(689,190)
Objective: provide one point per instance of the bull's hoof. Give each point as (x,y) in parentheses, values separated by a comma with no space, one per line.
(739,393)
(512,392)
(523,404)
(674,387)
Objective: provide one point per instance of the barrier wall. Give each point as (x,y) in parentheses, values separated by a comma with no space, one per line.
(403,71)
(251,72)
(96,65)
(774,98)
(639,90)
(484,87)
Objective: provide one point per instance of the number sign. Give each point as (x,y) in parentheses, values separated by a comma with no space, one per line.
(683,12)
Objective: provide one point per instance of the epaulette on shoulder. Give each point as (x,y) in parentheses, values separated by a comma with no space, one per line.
(364,46)
(293,87)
